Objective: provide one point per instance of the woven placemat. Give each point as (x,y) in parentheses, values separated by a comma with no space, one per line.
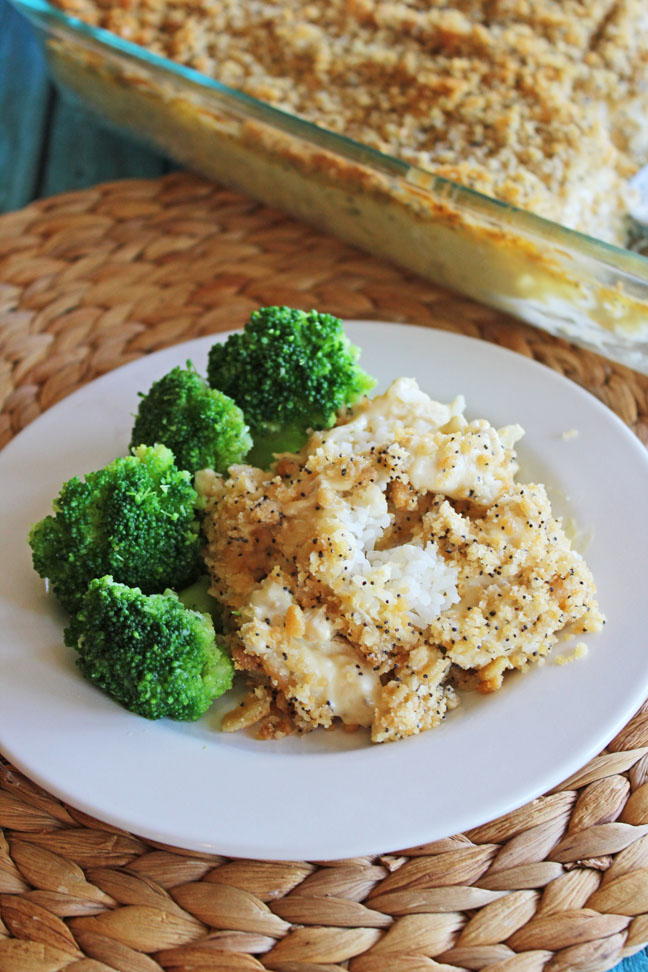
(91,280)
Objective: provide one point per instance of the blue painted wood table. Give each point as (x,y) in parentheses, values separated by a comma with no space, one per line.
(48,146)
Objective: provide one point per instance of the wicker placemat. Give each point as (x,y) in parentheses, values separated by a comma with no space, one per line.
(91,280)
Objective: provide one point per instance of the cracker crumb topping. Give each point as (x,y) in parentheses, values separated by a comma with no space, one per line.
(540,104)
(392,561)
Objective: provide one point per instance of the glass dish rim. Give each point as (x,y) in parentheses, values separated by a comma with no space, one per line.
(629,262)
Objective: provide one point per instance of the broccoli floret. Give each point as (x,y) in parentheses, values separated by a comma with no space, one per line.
(203,427)
(290,371)
(134,519)
(149,652)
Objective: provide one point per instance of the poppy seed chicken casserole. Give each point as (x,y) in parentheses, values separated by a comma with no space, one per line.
(390,561)
(539,104)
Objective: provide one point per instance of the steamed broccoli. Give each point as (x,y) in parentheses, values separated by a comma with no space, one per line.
(203,427)
(149,653)
(290,371)
(135,519)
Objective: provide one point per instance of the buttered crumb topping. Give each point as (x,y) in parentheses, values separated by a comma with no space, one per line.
(541,104)
(391,561)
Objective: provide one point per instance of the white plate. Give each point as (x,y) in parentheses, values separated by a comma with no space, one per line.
(329,795)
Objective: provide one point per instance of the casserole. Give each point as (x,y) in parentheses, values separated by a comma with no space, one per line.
(572,285)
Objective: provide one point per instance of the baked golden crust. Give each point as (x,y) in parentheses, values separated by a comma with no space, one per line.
(540,104)
(394,553)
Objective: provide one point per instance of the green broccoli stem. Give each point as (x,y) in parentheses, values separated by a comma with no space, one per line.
(290,438)
(196,597)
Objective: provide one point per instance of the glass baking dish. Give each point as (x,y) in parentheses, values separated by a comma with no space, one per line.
(571,285)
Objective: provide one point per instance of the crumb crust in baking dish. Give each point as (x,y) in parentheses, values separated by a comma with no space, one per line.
(537,104)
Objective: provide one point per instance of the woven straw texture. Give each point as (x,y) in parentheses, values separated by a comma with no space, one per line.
(91,280)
